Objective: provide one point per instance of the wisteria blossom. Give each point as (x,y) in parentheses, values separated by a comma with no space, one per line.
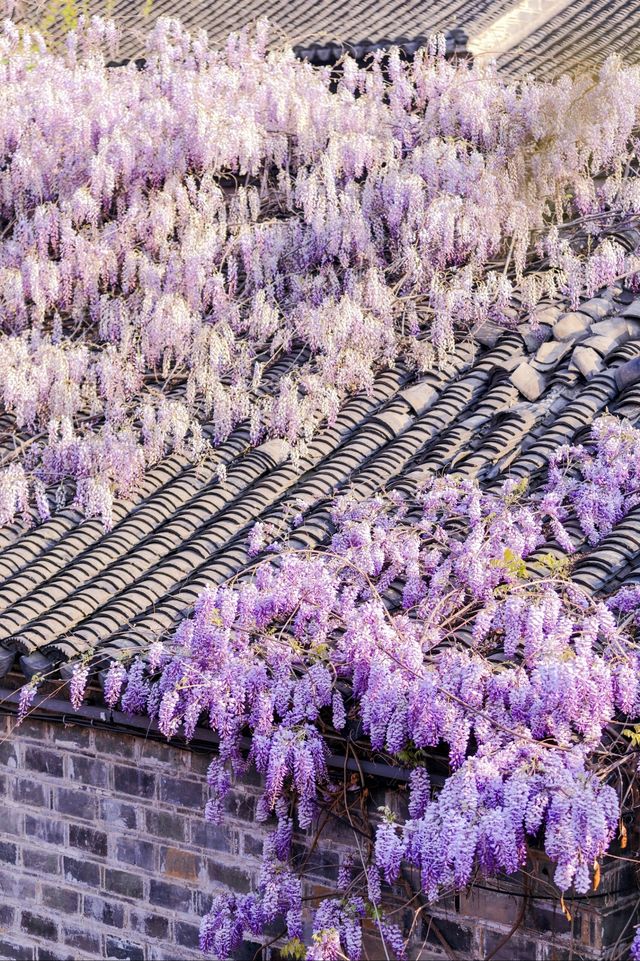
(598,485)
(234,241)
(517,675)
(169,234)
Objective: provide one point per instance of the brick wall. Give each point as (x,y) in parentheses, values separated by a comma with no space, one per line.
(104,853)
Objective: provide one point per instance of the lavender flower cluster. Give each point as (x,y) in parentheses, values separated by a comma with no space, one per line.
(598,484)
(516,676)
(167,235)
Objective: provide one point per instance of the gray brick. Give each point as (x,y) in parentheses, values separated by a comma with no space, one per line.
(239,804)
(11,820)
(173,896)
(117,948)
(8,852)
(114,744)
(84,872)
(248,951)
(166,825)
(550,918)
(200,763)
(88,770)
(44,762)
(131,780)
(458,936)
(106,912)
(62,899)
(72,735)
(118,814)
(153,925)
(156,752)
(77,804)
(44,829)
(82,939)
(134,851)
(30,793)
(183,793)
(30,728)
(39,927)
(252,845)
(515,948)
(7,914)
(12,885)
(187,935)
(44,862)
(253,778)
(85,838)
(229,877)
(124,883)
(613,921)
(60,954)
(13,951)
(214,837)
(320,863)
(9,755)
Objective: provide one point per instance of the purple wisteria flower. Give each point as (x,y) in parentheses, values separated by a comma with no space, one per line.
(532,680)
(144,305)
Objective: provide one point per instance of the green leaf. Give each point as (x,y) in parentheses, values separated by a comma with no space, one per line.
(373,912)
(518,491)
(633,734)
(557,566)
(293,950)
(514,565)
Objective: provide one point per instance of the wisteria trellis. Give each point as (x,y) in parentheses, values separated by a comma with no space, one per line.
(166,235)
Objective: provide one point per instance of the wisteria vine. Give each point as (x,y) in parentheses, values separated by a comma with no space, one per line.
(421,632)
(168,234)
(171,234)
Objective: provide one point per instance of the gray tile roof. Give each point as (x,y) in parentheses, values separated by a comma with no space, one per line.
(298,21)
(581,35)
(497,408)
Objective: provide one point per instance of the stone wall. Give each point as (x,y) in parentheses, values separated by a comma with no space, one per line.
(104,853)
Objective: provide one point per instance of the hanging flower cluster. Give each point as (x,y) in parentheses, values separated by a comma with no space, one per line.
(598,484)
(510,680)
(168,234)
